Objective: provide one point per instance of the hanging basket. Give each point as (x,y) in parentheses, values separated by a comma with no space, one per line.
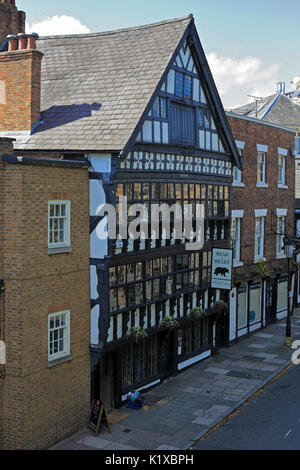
(197,313)
(221,306)
(170,323)
(136,334)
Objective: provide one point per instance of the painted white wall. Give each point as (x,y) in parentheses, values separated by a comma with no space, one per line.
(94,325)
(94,283)
(100,163)
(193,360)
(97,196)
(98,248)
(111,330)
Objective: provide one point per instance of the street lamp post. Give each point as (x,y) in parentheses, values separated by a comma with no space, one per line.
(289,251)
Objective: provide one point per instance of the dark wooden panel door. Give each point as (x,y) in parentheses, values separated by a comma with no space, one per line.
(107,380)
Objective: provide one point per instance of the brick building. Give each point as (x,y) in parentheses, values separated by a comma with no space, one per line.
(44,263)
(262,214)
(282,108)
(44,313)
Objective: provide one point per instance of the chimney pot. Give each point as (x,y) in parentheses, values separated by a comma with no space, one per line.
(12,42)
(22,38)
(32,38)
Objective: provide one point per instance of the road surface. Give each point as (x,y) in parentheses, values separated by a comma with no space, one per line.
(270,421)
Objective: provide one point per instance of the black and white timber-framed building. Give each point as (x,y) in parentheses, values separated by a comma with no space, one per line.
(141,105)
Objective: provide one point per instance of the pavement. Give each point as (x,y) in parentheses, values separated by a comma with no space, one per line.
(270,421)
(184,408)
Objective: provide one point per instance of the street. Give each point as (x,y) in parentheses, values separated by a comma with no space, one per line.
(271,421)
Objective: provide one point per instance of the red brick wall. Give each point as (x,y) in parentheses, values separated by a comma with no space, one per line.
(20,74)
(250,197)
(43,404)
(12,21)
(7,149)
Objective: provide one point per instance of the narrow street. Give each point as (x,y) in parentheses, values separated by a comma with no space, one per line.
(271,421)
(184,408)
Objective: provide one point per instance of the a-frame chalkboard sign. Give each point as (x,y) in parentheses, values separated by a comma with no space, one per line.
(98,416)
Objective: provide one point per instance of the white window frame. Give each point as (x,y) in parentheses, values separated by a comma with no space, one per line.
(261,168)
(259,255)
(66,335)
(67,225)
(236,242)
(281,169)
(282,154)
(262,149)
(238,215)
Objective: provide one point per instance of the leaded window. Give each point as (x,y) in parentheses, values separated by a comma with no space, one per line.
(135,286)
(195,336)
(139,361)
(214,198)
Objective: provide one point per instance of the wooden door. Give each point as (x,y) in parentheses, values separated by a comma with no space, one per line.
(107,380)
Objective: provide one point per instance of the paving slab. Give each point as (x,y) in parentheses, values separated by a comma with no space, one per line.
(184,408)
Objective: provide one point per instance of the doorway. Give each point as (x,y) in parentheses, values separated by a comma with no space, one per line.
(107,367)
(270,314)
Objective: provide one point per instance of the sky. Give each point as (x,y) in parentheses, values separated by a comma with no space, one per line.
(250,45)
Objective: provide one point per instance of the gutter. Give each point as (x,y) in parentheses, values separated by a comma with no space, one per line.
(45,162)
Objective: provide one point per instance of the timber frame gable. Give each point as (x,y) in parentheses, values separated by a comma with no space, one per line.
(190,39)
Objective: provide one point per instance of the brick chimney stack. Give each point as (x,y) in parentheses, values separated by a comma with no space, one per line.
(12,21)
(20,72)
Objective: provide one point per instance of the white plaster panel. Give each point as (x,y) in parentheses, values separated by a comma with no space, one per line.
(98,247)
(111,331)
(95,325)
(94,282)
(100,163)
(97,196)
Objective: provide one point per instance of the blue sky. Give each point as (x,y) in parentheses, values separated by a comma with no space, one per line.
(250,45)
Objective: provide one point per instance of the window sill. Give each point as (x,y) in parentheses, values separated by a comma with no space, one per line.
(238,264)
(57,362)
(282,186)
(262,185)
(238,185)
(258,259)
(57,251)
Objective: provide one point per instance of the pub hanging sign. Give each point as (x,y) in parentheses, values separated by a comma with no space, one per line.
(221,272)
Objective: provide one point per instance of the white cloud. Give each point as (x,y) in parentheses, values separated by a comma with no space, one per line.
(235,79)
(58,25)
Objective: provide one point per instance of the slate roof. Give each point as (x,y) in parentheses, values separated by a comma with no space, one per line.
(276,109)
(95,87)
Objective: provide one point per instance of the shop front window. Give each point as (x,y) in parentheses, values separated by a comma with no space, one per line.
(139,362)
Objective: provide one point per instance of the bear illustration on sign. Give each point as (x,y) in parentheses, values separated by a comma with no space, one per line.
(221,272)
